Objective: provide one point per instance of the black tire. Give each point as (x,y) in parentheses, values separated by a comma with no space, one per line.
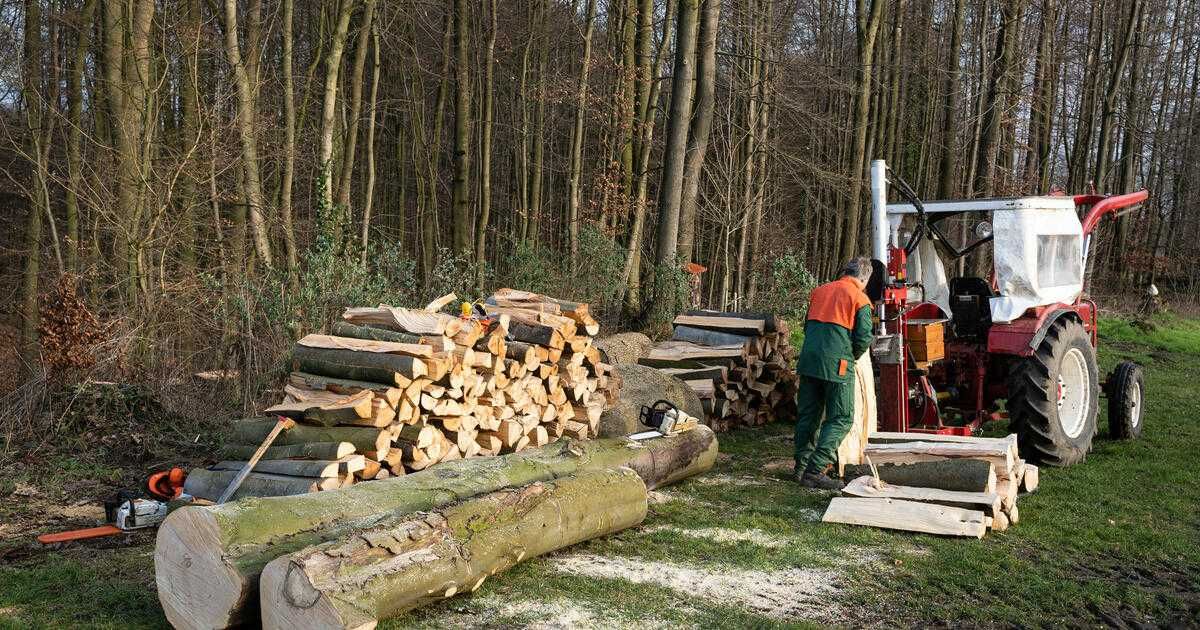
(1054,423)
(1126,401)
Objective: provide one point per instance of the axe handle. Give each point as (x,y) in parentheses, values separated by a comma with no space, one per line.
(280,426)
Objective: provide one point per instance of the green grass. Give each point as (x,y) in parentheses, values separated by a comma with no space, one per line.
(1114,539)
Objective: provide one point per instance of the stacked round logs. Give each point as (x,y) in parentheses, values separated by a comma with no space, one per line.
(403,389)
(742,365)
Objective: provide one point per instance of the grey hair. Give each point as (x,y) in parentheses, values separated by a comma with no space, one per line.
(858,267)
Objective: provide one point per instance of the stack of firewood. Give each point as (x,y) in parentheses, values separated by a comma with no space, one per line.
(939,484)
(740,364)
(404,389)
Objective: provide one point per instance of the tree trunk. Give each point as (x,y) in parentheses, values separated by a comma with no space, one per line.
(485,150)
(333,67)
(575,196)
(701,125)
(993,106)
(32,98)
(246,131)
(75,130)
(1116,75)
(289,141)
(208,560)
(369,192)
(868,17)
(355,581)
(675,152)
(460,205)
(350,143)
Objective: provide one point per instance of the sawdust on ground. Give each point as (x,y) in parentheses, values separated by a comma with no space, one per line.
(724,535)
(728,480)
(789,594)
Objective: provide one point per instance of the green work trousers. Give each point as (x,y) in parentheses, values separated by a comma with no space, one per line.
(816,440)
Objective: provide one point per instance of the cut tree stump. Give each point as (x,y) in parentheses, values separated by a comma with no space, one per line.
(208,559)
(907,515)
(389,569)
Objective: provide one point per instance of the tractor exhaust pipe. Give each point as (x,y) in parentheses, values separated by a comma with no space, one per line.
(879,220)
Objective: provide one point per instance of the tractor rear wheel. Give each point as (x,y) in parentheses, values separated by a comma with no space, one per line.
(1125,390)
(1054,396)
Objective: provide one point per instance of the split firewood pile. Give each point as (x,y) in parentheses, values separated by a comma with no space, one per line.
(937,484)
(742,365)
(392,391)
(348,559)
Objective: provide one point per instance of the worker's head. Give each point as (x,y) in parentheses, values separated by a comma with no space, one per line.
(859,267)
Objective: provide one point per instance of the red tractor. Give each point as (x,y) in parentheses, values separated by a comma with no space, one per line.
(948,351)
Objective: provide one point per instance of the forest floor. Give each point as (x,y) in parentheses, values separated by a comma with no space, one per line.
(1113,542)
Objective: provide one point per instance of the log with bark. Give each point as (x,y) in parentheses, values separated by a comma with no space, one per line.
(415,559)
(963,475)
(208,559)
(307,450)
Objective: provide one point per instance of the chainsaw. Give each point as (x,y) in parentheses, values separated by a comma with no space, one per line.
(666,418)
(129,510)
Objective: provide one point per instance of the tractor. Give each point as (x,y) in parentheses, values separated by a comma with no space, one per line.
(952,353)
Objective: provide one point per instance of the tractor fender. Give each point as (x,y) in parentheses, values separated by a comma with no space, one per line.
(1023,335)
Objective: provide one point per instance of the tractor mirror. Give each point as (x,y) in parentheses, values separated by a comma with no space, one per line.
(875,284)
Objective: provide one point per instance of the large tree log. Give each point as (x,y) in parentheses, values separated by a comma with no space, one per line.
(681,354)
(907,515)
(642,385)
(209,484)
(208,559)
(390,569)
(406,320)
(911,452)
(392,369)
(309,450)
(363,438)
(346,386)
(331,342)
(624,347)
(964,475)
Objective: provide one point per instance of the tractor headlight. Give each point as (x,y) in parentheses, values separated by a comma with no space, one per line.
(983,229)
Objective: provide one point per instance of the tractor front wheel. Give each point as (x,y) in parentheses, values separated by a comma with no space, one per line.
(1125,390)
(1054,396)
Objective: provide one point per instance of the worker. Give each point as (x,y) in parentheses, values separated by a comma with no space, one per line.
(837,330)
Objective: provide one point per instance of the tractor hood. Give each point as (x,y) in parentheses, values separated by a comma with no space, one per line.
(1038,251)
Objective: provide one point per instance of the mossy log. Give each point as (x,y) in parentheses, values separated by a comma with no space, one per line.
(962,475)
(300,467)
(346,329)
(208,559)
(363,438)
(377,367)
(421,558)
(308,450)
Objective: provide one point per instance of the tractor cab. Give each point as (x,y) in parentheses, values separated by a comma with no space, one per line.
(982,316)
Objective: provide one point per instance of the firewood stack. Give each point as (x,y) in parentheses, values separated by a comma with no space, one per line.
(740,364)
(408,388)
(939,484)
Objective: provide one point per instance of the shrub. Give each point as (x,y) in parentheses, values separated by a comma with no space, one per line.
(787,287)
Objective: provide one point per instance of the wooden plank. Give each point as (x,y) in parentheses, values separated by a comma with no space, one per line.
(734,325)
(330,342)
(907,516)
(987,502)
(908,452)
(893,437)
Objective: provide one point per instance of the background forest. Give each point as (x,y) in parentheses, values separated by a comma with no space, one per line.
(189,184)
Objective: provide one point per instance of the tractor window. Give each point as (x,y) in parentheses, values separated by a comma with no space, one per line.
(1060,262)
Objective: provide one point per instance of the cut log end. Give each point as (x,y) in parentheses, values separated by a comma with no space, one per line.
(196,588)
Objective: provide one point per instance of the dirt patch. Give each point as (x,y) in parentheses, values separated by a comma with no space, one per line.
(659,497)
(790,594)
(724,535)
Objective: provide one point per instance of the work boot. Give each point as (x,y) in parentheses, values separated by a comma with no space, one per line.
(819,480)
